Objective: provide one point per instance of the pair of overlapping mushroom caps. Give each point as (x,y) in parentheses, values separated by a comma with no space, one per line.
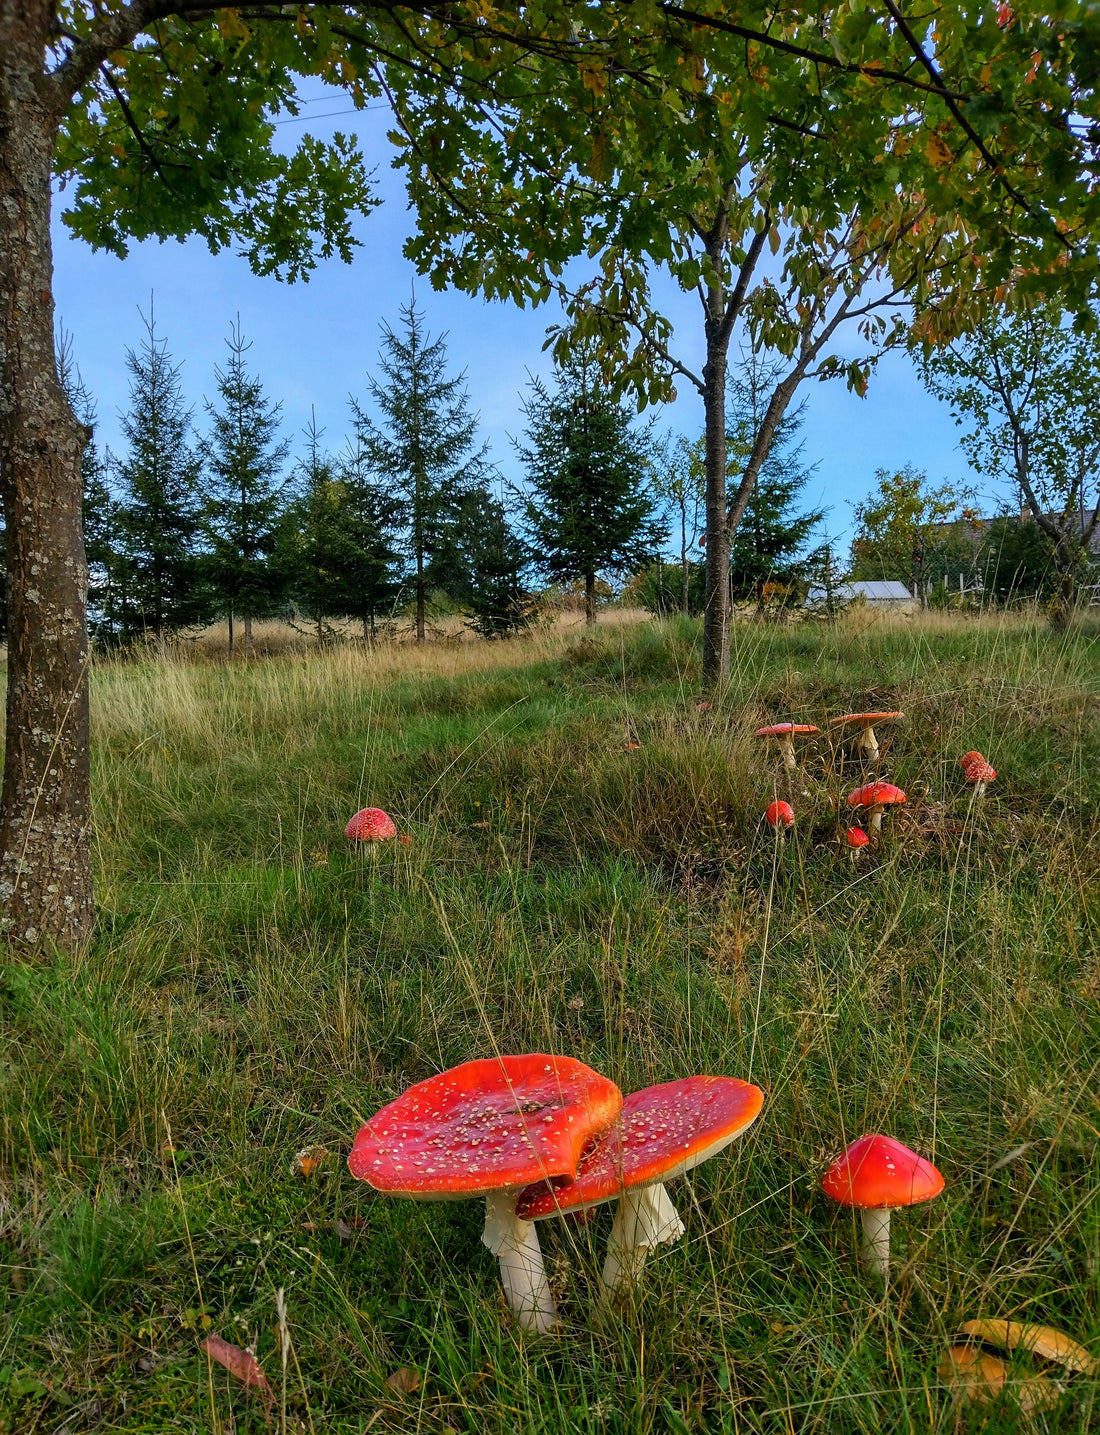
(540,1136)
(785,733)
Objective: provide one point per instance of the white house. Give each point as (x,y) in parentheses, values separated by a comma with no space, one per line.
(876,594)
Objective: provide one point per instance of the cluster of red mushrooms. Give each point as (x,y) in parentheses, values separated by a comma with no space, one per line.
(870,798)
(540,1136)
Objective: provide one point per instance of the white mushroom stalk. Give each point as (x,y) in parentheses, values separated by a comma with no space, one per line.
(875,1249)
(644,1219)
(515,1244)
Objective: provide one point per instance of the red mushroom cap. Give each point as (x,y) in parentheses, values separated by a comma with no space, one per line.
(979,771)
(869,719)
(779,728)
(876,794)
(485,1126)
(972,756)
(857,837)
(663,1132)
(779,814)
(370,825)
(877,1172)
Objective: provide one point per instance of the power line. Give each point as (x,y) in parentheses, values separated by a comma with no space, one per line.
(328,115)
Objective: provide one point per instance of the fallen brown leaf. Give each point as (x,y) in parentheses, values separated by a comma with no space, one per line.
(1042,1340)
(241,1364)
(403,1381)
(307,1160)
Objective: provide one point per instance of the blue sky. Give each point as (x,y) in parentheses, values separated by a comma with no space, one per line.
(315,343)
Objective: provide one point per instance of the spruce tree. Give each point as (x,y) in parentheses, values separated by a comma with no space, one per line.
(157,518)
(767,547)
(499,599)
(99,508)
(244,492)
(345,561)
(589,508)
(422,445)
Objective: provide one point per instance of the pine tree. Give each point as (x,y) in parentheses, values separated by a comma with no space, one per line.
(99,508)
(422,445)
(345,562)
(499,599)
(157,517)
(244,492)
(588,509)
(767,545)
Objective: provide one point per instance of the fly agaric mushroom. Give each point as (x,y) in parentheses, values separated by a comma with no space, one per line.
(979,772)
(784,734)
(779,816)
(968,757)
(875,1175)
(489,1128)
(874,798)
(663,1132)
(857,840)
(370,825)
(867,739)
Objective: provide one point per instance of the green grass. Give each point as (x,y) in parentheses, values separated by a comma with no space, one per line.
(257,987)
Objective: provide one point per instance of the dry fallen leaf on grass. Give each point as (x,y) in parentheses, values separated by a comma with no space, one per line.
(307,1160)
(241,1364)
(1041,1340)
(403,1381)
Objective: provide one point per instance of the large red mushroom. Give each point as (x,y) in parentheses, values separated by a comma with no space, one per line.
(876,1175)
(489,1128)
(785,734)
(370,825)
(663,1132)
(866,722)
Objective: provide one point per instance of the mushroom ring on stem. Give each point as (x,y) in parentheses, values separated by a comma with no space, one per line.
(867,739)
(876,1175)
(664,1131)
(785,733)
(489,1128)
(874,798)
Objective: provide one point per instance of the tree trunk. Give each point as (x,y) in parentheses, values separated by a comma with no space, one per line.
(716,613)
(590,600)
(45,851)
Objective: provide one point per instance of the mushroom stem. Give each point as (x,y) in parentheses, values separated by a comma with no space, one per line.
(515,1244)
(875,823)
(979,789)
(869,743)
(644,1218)
(786,747)
(876,1240)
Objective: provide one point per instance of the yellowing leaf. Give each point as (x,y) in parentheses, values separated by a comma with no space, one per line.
(403,1381)
(306,1161)
(938,152)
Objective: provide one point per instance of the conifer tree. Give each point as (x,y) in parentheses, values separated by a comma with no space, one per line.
(99,508)
(768,542)
(589,508)
(345,561)
(498,601)
(157,516)
(244,492)
(422,445)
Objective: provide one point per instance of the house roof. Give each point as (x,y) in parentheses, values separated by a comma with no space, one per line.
(874,591)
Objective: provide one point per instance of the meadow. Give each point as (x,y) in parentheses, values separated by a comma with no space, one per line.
(258,987)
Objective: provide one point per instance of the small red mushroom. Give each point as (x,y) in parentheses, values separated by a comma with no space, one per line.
(779,816)
(874,798)
(663,1132)
(979,772)
(370,825)
(968,757)
(857,840)
(489,1128)
(876,1175)
(785,733)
